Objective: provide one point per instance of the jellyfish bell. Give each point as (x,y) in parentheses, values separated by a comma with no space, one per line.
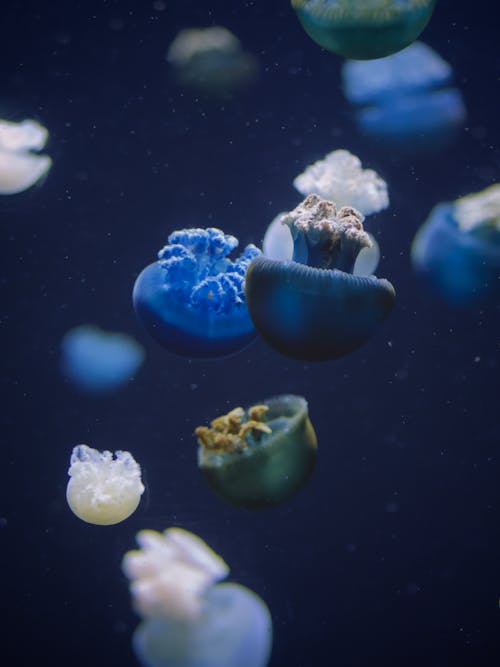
(406,99)
(457,249)
(19,167)
(259,457)
(189,619)
(364,29)
(97,361)
(103,489)
(192,299)
(312,307)
(211,60)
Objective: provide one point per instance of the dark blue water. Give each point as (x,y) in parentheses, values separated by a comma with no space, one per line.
(390,555)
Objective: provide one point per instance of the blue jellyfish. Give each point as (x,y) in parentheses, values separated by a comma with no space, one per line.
(364,29)
(189,620)
(405,99)
(458,248)
(259,457)
(312,307)
(98,361)
(192,299)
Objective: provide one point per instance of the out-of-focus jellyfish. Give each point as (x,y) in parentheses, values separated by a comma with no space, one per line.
(341,178)
(103,489)
(312,307)
(190,620)
(19,167)
(211,60)
(259,457)
(458,248)
(406,99)
(364,29)
(192,299)
(98,361)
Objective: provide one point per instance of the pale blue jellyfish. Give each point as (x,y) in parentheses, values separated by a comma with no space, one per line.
(98,361)
(458,248)
(192,300)
(406,99)
(189,620)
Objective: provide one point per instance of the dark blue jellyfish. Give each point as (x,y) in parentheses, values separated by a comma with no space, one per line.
(458,248)
(98,361)
(405,99)
(192,299)
(312,307)
(364,29)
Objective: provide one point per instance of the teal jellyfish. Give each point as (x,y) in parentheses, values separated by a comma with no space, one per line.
(458,248)
(190,620)
(192,299)
(364,29)
(259,457)
(312,307)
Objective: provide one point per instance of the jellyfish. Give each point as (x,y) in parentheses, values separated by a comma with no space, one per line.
(103,488)
(190,620)
(406,99)
(364,29)
(19,167)
(192,299)
(458,248)
(261,456)
(312,307)
(340,177)
(98,361)
(211,60)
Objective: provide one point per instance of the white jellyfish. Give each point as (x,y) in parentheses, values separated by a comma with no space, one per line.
(211,60)
(340,177)
(190,620)
(98,361)
(103,489)
(19,167)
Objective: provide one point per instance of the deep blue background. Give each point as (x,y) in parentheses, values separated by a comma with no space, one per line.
(391,555)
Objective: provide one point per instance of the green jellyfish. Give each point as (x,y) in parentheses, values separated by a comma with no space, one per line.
(259,457)
(364,29)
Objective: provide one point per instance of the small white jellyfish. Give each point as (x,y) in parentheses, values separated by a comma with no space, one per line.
(211,60)
(98,361)
(190,620)
(340,177)
(480,209)
(103,489)
(278,245)
(19,167)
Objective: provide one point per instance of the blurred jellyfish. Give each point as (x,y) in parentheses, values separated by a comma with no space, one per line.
(192,299)
(190,620)
(341,178)
(312,307)
(458,248)
(98,361)
(211,60)
(259,457)
(19,167)
(405,99)
(364,29)
(103,489)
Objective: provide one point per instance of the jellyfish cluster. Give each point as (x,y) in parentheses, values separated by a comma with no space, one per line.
(364,29)
(20,166)
(189,618)
(406,99)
